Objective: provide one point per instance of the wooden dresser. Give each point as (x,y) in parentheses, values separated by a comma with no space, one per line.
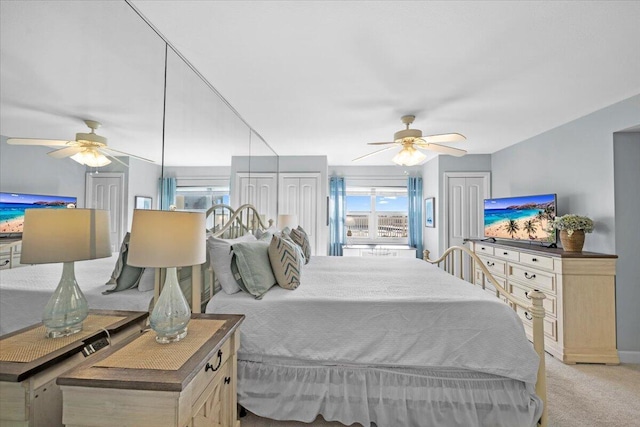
(189,383)
(30,364)
(580,304)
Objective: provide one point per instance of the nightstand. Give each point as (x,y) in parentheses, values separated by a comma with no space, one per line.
(140,383)
(30,364)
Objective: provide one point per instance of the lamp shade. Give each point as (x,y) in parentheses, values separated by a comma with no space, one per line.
(167,239)
(64,235)
(349,221)
(408,156)
(287,220)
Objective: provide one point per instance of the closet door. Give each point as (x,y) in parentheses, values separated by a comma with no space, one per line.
(259,190)
(298,195)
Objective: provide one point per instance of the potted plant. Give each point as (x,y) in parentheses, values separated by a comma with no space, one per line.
(572,230)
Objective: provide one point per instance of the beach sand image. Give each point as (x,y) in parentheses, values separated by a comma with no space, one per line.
(11,226)
(499,230)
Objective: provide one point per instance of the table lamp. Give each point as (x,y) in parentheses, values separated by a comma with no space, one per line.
(168,239)
(65,235)
(349,222)
(287,220)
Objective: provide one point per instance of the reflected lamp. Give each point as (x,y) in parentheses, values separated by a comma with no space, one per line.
(65,235)
(168,239)
(287,220)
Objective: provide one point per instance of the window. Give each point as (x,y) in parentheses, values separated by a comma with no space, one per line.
(201,199)
(377,215)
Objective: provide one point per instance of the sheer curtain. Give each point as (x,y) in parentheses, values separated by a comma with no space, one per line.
(167,193)
(337,234)
(414,192)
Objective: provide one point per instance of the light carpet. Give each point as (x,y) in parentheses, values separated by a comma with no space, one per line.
(578,396)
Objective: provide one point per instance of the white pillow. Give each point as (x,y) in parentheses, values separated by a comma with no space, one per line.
(220,256)
(147,281)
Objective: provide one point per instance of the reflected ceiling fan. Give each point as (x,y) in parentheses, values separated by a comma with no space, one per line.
(87,149)
(411,141)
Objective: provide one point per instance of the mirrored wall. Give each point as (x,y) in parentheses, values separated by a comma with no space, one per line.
(63,62)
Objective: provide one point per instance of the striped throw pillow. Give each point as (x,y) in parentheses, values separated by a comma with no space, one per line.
(286,262)
(299,236)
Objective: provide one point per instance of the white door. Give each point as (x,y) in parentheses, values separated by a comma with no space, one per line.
(259,190)
(298,195)
(106,191)
(465,193)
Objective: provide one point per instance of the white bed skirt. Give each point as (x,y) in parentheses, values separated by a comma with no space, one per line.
(388,397)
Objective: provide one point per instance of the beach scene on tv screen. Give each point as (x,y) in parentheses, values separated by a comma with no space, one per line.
(13,205)
(520,218)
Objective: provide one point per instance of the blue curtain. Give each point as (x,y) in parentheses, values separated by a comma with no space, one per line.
(337,233)
(167,193)
(414,191)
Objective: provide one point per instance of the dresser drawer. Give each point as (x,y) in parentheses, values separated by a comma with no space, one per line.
(520,292)
(205,376)
(494,265)
(483,249)
(212,407)
(536,260)
(508,254)
(550,324)
(533,278)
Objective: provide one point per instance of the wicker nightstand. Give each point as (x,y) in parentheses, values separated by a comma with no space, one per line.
(30,364)
(140,383)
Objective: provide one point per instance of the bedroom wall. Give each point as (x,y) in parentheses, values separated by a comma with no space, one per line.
(46,175)
(626,161)
(576,161)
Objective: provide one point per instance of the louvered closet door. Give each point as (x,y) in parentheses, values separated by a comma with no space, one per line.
(298,195)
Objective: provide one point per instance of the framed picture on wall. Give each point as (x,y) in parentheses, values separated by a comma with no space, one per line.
(430,212)
(143,202)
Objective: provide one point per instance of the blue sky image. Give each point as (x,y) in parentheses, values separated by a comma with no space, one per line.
(510,201)
(32,198)
(383,203)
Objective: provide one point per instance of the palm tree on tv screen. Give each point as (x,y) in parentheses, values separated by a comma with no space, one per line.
(512,227)
(530,227)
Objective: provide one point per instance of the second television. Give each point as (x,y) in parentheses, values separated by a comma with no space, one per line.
(525,218)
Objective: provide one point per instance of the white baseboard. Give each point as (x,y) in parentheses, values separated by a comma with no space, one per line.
(629,357)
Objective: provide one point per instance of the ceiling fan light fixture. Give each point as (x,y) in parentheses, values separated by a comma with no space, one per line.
(91,158)
(409,156)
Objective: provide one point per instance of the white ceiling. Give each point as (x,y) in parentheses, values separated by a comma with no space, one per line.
(319,77)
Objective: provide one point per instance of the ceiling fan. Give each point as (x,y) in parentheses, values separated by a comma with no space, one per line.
(411,140)
(87,149)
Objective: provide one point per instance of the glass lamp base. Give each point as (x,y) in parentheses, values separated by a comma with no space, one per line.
(165,339)
(64,331)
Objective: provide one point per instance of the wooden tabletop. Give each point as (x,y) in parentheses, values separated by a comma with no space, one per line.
(537,248)
(88,375)
(17,371)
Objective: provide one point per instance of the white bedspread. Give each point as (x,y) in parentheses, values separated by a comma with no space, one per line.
(377,311)
(24,291)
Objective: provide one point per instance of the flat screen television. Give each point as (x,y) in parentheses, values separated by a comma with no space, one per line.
(524,218)
(13,205)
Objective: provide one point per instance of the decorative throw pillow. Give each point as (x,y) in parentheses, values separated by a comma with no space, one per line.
(299,236)
(286,262)
(147,280)
(251,263)
(124,276)
(220,256)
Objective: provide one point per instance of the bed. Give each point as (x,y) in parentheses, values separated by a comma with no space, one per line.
(24,291)
(386,341)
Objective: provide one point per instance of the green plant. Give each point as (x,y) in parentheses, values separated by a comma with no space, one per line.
(571,223)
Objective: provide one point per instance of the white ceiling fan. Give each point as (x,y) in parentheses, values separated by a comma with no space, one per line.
(87,149)
(411,140)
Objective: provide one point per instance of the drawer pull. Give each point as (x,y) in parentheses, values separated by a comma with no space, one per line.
(490,264)
(526,294)
(209,366)
(527,315)
(482,249)
(532,276)
(505,253)
(534,259)
(227,380)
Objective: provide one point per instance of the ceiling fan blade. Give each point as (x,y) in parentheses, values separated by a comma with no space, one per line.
(126,154)
(65,152)
(444,137)
(111,156)
(37,141)
(371,154)
(443,149)
(382,143)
